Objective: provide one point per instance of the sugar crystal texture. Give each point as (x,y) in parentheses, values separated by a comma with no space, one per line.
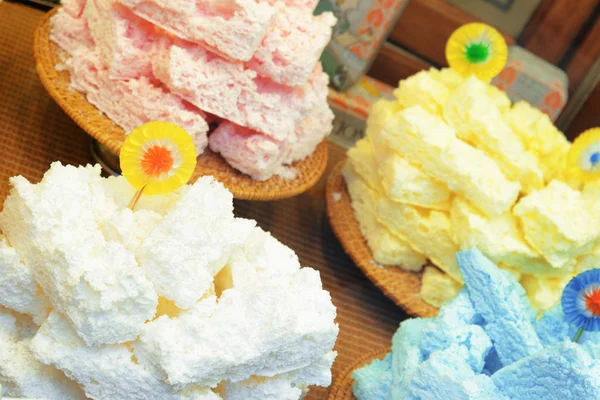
(177,299)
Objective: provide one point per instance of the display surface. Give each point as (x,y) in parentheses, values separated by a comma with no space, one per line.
(36,132)
(100,127)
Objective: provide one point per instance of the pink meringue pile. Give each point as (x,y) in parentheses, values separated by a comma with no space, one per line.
(240,76)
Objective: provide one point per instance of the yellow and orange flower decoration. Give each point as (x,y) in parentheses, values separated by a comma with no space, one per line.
(157,158)
(477,49)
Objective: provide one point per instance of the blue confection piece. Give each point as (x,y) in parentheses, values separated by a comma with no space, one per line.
(374,381)
(446,375)
(492,363)
(500,301)
(565,371)
(440,335)
(441,374)
(553,328)
(460,310)
(481,387)
(406,355)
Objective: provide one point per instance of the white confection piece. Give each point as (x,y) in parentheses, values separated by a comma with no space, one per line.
(22,375)
(261,257)
(120,192)
(279,387)
(18,290)
(290,385)
(130,228)
(54,227)
(192,243)
(271,327)
(109,372)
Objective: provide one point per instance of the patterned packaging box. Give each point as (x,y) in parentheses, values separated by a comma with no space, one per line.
(362,27)
(530,78)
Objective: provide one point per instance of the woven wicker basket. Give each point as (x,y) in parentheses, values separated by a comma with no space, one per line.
(101,128)
(403,287)
(341,389)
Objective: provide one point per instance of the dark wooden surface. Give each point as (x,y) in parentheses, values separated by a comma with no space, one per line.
(34,131)
(585,56)
(425,26)
(554,26)
(393,64)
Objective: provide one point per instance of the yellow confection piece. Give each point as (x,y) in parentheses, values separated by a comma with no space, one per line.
(405,183)
(429,144)
(428,231)
(499,238)
(422,90)
(544,293)
(499,98)
(379,114)
(558,223)
(447,76)
(511,270)
(362,159)
(437,287)
(591,195)
(475,117)
(477,49)
(540,137)
(387,249)
(588,261)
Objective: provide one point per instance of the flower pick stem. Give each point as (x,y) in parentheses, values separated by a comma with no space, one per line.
(136,198)
(578,335)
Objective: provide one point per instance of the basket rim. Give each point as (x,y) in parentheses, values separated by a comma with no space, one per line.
(341,389)
(402,287)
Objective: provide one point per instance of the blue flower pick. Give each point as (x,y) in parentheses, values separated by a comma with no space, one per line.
(581,302)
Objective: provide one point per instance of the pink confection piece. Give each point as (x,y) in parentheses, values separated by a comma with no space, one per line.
(132,103)
(307,4)
(234,28)
(123,39)
(233,92)
(73,7)
(248,151)
(291,49)
(309,134)
(260,156)
(69,32)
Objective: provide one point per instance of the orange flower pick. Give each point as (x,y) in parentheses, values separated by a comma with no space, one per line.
(157,158)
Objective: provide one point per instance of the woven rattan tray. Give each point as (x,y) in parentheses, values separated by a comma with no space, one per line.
(102,129)
(403,287)
(341,389)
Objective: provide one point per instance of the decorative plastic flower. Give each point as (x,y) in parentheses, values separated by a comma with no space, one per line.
(581,301)
(583,160)
(158,157)
(477,49)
